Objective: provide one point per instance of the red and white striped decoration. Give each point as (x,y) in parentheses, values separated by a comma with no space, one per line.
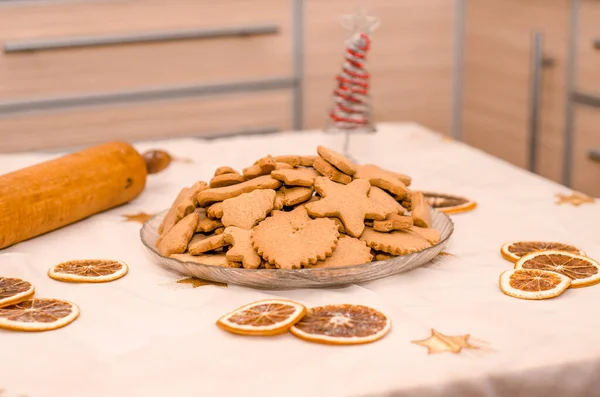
(351,103)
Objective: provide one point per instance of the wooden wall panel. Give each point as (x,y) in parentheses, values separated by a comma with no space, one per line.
(588,56)
(410,61)
(157,120)
(585,174)
(90,70)
(498,45)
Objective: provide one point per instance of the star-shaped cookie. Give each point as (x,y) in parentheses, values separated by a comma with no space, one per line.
(350,203)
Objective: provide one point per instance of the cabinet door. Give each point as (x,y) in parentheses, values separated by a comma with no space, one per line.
(92,69)
(186,117)
(588,47)
(497,79)
(585,174)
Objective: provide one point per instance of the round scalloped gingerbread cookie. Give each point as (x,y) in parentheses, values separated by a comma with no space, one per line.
(292,240)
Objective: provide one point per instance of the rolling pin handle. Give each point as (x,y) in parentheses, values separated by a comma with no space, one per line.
(156,160)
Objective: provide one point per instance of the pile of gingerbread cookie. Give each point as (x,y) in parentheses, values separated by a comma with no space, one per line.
(293,212)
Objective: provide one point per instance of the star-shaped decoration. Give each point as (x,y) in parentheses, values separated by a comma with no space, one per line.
(349,203)
(440,343)
(576,198)
(359,22)
(197,282)
(140,217)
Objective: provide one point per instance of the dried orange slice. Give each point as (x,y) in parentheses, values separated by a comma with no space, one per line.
(266,317)
(342,325)
(582,271)
(14,290)
(449,203)
(513,251)
(38,314)
(533,284)
(88,271)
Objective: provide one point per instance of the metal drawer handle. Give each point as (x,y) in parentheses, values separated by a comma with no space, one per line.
(586,99)
(147,95)
(594,155)
(267,130)
(135,38)
(538,62)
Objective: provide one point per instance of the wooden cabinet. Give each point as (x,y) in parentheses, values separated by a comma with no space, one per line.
(588,47)
(585,172)
(498,73)
(410,61)
(499,94)
(90,69)
(141,121)
(138,66)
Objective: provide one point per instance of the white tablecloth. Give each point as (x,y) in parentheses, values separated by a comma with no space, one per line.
(146,335)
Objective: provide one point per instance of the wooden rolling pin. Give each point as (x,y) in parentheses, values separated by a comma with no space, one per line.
(56,193)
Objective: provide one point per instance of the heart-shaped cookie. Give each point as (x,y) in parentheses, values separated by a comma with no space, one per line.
(292,240)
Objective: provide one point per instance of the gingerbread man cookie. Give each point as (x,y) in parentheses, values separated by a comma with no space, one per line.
(215,211)
(206,224)
(393,222)
(241,247)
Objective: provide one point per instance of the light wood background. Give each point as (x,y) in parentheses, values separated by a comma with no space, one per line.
(411,61)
